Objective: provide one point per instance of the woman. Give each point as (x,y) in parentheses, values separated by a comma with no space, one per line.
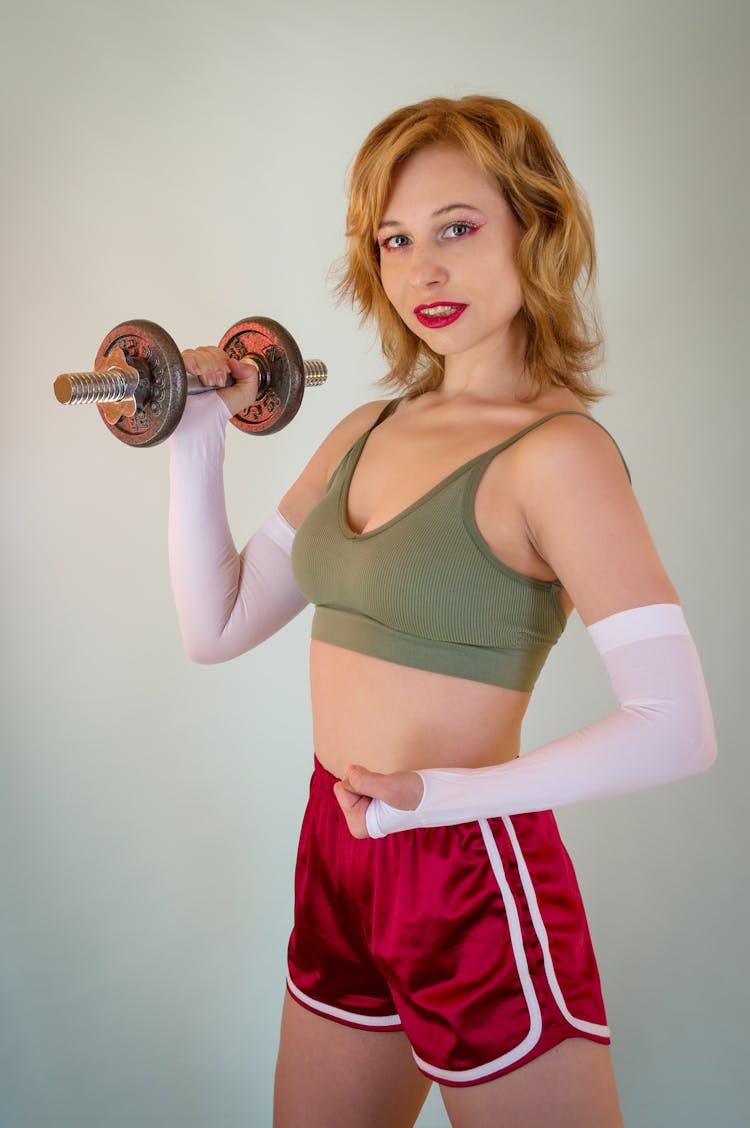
(445,537)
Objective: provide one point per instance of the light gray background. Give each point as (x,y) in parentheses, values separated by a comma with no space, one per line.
(186,162)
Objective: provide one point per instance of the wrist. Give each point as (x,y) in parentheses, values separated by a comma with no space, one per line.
(203,423)
(243,393)
(381,818)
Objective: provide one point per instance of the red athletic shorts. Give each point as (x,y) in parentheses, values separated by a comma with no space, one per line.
(472,938)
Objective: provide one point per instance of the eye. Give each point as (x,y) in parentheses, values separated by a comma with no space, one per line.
(459,229)
(394,242)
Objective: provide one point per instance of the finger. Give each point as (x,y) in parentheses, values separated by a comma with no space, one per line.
(214,365)
(346,797)
(354,808)
(195,364)
(209,364)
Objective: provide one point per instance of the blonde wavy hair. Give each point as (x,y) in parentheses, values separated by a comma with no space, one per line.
(556,258)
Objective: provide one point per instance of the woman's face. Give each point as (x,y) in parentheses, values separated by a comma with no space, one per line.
(448,245)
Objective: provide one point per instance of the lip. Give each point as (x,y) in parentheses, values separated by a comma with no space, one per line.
(434,322)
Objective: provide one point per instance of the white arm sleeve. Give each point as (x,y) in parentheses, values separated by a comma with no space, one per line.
(227,602)
(662,731)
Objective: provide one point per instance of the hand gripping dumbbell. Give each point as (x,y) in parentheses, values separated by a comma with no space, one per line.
(142,401)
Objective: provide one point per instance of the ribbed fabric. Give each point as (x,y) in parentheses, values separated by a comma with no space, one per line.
(424,589)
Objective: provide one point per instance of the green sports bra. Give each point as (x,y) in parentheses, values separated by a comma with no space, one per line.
(424,589)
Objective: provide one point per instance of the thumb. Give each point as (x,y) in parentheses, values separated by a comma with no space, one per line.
(364,782)
(398,789)
(243,370)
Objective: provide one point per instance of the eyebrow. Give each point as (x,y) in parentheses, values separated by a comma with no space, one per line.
(435,214)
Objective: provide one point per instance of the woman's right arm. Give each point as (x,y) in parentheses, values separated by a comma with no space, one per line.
(228,601)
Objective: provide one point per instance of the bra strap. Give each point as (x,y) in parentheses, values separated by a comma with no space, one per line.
(490,454)
(389,409)
(356,447)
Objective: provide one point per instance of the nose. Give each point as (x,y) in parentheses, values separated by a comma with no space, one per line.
(427,269)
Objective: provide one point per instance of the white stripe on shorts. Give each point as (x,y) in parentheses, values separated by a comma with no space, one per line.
(527,986)
(516,938)
(364,1020)
(541,931)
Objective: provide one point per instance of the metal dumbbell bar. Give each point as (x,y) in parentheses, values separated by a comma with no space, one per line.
(141,396)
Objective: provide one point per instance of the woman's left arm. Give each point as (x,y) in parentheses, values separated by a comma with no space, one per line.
(583,519)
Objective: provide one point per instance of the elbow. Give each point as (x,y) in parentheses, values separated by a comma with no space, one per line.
(201,657)
(705,752)
(212,651)
(705,735)
(698,741)
(682,741)
(204,651)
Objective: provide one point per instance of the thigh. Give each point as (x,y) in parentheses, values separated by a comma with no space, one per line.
(570,1086)
(330,1074)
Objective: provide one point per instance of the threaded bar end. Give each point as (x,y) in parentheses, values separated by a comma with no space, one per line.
(315,373)
(75,388)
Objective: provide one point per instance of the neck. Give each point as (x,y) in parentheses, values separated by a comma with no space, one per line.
(494,369)
(491,371)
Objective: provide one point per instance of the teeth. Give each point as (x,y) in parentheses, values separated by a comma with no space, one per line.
(439,311)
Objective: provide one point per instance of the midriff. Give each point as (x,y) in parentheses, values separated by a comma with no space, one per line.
(394,718)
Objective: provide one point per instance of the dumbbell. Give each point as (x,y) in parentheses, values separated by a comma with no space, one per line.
(142,402)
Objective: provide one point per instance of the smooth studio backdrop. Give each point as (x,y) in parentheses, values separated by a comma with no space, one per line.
(186,162)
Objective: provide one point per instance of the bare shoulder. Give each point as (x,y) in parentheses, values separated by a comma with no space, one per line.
(312,482)
(572,444)
(584,519)
(568,469)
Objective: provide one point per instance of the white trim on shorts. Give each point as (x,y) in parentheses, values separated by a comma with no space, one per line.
(536,916)
(516,939)
(365,1020)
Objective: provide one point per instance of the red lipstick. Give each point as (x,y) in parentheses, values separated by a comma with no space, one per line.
(437,315)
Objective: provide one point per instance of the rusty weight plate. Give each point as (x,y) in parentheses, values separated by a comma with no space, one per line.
(162,388)
(279,356)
